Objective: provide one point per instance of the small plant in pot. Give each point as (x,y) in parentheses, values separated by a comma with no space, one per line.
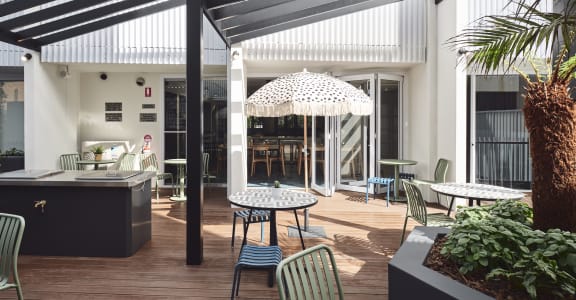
(98,150)
(276,191)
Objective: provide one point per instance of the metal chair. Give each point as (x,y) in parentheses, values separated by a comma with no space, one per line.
(11,232)
(68,161)
(206,165)
(309,274)
(150,163)
(256,257)
(416,210)
(126,163)
(382,181)
(257,216)
(439,175)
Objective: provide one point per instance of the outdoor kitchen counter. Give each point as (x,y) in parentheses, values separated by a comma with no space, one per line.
(68,179)
(70,217)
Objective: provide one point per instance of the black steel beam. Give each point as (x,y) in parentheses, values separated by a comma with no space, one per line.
(104,23)
(14,39)
(212,4)
(243,8)
(288,8)
(80,18)
(194,132)
(48,13)
(301,18)
(16,6)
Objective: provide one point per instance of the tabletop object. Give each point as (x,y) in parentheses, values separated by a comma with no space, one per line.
(396,163)
(264,199)
(475,191)
(181,164)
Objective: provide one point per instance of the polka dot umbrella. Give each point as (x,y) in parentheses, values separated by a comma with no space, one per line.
(308,94)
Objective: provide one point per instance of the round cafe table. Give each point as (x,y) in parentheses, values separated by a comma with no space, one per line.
(96,163)
(181,164)
(267,199)
(396,163)
(475,191)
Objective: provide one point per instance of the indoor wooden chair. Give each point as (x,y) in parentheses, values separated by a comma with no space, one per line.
(416,210)
(11,232)
(278,156)
(309,274)
(260,154)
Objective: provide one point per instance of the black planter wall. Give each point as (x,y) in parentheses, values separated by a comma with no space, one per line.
(408,278)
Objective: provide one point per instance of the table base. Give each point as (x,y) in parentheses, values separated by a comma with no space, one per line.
(178,198)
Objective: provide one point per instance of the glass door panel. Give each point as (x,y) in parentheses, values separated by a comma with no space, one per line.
(319,150)
(174,121)
(353,153)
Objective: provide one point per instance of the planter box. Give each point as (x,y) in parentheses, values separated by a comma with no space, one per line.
(408,278)
(11,163)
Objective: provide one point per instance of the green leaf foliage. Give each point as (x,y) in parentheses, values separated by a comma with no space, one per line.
(499,240)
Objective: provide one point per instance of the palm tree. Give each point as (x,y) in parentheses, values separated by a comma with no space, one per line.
(502,41)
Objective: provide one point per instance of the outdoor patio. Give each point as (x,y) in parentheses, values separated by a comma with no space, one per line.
(364,238)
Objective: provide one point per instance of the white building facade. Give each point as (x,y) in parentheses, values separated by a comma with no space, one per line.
(399,46)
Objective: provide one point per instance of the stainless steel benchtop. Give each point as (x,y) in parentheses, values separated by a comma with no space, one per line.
(68,179)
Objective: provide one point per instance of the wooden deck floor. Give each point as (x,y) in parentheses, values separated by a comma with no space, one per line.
(364,238)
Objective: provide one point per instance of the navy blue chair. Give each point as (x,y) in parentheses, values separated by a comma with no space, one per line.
(256,257)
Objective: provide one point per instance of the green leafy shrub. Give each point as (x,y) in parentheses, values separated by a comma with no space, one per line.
(12,152)
(498,240)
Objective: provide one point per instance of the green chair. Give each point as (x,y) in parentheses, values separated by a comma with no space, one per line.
(439,175)
(150,163)
(11,232)
(309,274)
(68,161)
(206,165)
(127,162)
(416,210)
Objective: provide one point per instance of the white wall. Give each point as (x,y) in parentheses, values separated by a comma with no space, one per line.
(50,114)
(120,87)
(451,90)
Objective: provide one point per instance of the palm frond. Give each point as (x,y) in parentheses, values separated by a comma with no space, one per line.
(503,41)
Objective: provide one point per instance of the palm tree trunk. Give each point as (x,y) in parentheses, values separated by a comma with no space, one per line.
(550,116)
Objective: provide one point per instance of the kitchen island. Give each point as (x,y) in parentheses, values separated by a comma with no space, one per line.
(67,215)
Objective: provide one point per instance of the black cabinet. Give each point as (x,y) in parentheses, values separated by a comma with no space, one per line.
(81,220)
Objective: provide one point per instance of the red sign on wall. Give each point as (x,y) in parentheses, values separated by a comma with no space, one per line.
(147,92)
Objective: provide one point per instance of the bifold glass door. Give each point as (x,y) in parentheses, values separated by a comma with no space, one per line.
(353,136)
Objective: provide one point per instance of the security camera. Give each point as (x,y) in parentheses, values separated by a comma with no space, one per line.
(140,81)
(103,76)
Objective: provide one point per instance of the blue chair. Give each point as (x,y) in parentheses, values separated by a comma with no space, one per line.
(257,216)
(382,181)
(256,257)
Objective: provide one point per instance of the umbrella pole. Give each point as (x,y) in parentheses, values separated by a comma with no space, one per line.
(305,170)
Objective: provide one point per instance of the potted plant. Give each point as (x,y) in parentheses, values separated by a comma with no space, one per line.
(98,150)
(276,190)
(12,159)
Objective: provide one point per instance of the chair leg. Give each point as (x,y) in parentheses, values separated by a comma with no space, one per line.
(367,188)
(233,231)
(157,192)
(404,230)
(388,193)
(235,282)
(261,232)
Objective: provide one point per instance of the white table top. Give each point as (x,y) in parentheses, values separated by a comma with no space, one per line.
(476,191)
(263,199)
(175,161)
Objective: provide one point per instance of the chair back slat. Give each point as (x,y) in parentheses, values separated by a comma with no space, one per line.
(416,205)
(11,232)
(149,163)
(68,161)
(441,170)
(309,275)
(127,162)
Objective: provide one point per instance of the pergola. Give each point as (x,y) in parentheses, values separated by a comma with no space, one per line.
(32,24)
